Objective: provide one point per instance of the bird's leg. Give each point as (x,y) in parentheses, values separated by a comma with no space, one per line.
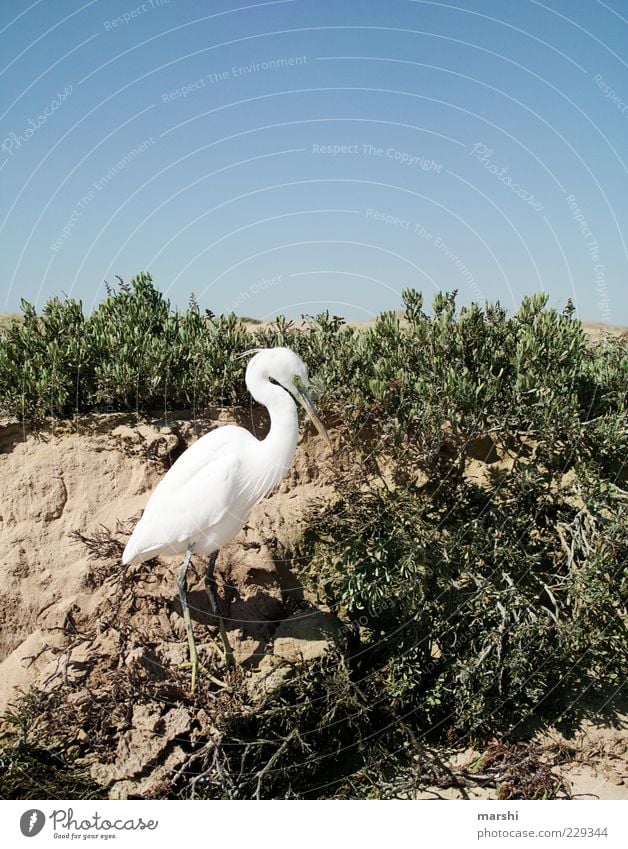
(213,603)
(183,595)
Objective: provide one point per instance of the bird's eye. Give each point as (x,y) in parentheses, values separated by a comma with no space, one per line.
(298,381)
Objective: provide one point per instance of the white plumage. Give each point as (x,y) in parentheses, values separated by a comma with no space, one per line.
(207,495)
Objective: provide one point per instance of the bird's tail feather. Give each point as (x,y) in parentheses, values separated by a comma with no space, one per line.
(129,552)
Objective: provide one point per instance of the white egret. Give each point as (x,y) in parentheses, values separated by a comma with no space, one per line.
(206,497)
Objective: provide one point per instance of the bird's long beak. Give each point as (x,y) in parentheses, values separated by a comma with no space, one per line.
(310,409)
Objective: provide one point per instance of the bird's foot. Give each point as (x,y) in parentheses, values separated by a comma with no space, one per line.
(226,651)
(228,658)
(195,665)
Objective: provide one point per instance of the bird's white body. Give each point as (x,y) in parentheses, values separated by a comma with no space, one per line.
(208,494)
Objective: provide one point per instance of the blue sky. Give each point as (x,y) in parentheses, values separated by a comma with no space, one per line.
(292,156)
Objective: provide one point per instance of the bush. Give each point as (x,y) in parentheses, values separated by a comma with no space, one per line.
(473,602)
(476,607)
(40,766)
(41,360)
(131,336)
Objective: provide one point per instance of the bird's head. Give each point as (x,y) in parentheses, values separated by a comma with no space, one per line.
(283,366)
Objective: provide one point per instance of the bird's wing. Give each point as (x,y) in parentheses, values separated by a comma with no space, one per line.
(181,507)
(222,441)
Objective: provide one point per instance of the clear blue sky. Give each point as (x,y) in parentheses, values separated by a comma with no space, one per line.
(285,157)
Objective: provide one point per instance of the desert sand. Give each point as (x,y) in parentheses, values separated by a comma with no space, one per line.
(76,622)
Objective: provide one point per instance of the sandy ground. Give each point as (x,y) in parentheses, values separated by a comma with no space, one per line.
(589,762)
(67,617)
(595,330)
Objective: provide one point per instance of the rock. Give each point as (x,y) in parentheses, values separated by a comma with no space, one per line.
(306,636)
(54,499)
(126,434)
(143,661)
(40,498)
(140,747)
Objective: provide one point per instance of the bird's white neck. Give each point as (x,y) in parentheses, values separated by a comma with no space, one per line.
(281,441)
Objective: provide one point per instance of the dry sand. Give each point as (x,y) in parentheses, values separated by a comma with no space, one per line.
(67,617)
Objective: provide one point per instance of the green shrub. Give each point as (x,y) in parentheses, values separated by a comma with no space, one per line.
(39,766)
(474,607)
(474,603)
(41,360)
(131,336)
